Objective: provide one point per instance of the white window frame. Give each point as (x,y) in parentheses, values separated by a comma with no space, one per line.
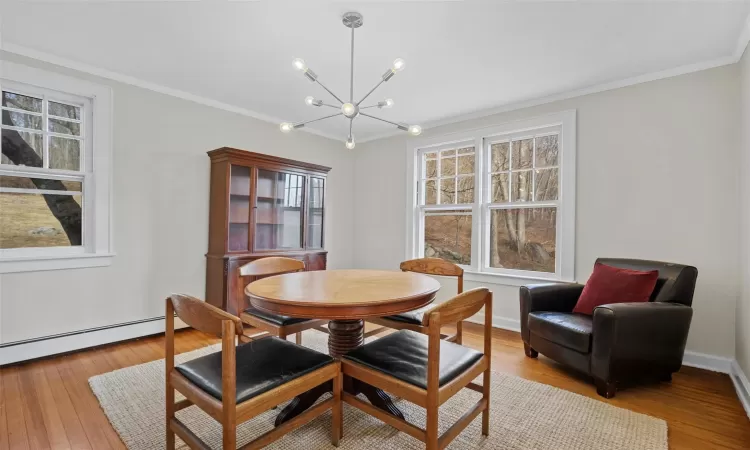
(479,270)
(96,249)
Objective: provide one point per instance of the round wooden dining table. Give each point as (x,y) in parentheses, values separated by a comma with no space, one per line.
(346,298)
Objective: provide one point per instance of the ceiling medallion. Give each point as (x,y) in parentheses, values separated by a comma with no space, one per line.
(350,109)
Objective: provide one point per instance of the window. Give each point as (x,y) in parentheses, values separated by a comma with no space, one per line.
(54,199)
(498,201)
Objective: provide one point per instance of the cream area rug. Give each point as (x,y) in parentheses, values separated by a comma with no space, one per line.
(523,415)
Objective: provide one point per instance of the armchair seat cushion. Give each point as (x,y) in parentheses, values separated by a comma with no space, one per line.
(275,319)
(403,355)
(567,329)
(262,365)
(412,317)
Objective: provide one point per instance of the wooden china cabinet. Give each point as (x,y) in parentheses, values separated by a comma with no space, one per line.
(260,206)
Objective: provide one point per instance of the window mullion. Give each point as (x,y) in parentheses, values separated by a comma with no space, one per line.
(45,134)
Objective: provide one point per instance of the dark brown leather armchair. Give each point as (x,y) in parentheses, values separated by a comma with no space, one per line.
(621,341)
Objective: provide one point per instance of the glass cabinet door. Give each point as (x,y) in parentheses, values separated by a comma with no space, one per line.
(239,208)
(279,202)
(316,198)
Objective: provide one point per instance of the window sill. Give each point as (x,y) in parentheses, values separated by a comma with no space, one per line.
(41,263)
(509,280)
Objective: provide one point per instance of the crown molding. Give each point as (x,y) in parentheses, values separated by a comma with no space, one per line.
(682,70)
(28,52)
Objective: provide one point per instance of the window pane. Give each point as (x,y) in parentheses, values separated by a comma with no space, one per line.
(64,153)
(62,110)
(466,189)
(522,154)
(520,186)
(466,165)
(523,239)
(21,148)
(35,220)
(430,192)
(499,188)
(447,191)
(448,166)
(447,235)
(39,183)
(462,151)
(24,102)
(546,151)
(546,184)
(64,127)
(499,158)
(430,166)
(16,119)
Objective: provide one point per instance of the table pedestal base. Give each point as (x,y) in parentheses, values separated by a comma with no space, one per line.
(346,335)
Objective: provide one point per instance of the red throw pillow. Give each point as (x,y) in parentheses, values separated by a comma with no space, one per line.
(613,285)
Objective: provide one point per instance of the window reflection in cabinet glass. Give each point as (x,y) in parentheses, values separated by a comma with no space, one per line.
(278,217)
(315,213)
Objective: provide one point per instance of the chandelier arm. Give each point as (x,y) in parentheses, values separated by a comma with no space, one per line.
(368,107)
(351,123)
(371,91)
(329,91)
(330,106)
(302,124)
(400,126)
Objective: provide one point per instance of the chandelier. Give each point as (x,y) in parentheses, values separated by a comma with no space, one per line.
(351,109)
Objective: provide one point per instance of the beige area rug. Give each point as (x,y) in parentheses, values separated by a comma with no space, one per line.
(523,414)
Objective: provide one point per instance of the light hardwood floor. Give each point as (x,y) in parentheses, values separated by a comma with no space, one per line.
(48,403)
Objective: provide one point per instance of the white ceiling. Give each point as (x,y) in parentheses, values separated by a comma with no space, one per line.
(461,56)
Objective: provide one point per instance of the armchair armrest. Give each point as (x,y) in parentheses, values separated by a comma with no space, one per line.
(631,337)
(560,297)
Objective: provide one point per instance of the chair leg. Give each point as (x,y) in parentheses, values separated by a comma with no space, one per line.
(299,338)
(432,429)
(170,415)
(486,394)
(229,438)
(606,389)
(530,352)
(459,332)
(337,416)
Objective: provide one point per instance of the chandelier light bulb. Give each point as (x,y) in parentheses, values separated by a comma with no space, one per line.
(388,103)
(415,130)
(398,65)
(350,143)
(349,110)
(299,64)
(286,127)
(310,100)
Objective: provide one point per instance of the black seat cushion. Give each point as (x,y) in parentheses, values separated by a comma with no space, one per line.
(567,329)
(262,365)
(412,317)
(275,319)
(403,355)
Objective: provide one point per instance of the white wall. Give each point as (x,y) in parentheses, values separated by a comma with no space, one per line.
(161,173)
(656,179)
(742,317)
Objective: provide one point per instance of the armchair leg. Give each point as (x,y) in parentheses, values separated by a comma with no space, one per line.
(606,389)
(530,352)
(666,377)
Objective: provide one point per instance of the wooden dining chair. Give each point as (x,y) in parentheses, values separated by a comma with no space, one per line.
(238,383)
(427,371)
(270,323)
(412,320)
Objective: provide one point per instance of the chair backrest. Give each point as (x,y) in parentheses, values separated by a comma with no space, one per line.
(201,315)
(435,266)
(460,307)
(676,282)
(273,265)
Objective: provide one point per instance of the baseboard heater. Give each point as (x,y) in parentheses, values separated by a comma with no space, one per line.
(34,348)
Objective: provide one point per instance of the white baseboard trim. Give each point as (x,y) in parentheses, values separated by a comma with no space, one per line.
(741,385)
(22,351)
(708,362)
(504,323)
